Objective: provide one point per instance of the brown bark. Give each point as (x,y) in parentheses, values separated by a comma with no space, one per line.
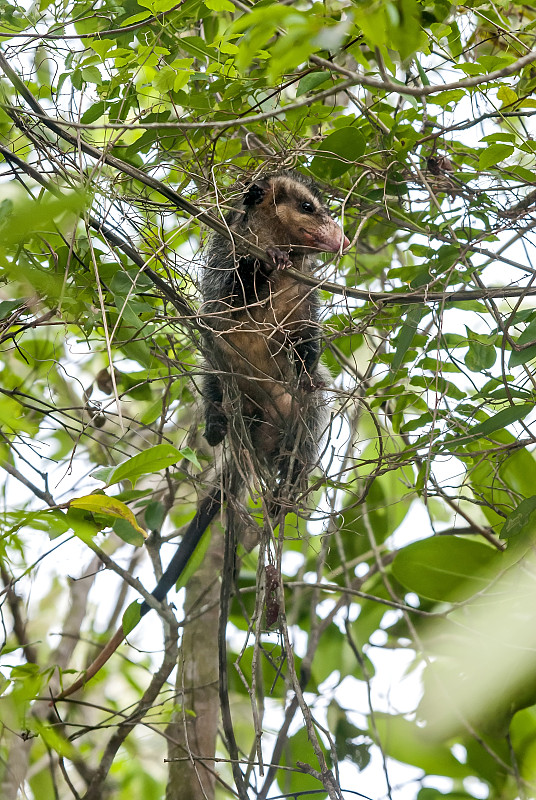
(193,735)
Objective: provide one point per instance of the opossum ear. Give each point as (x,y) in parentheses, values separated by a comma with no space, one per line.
(254,195)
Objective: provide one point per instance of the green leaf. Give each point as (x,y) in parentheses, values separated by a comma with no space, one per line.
(92,75)
(128,533)
(506,95)
(135,18)
(470,69)
(131,617)
(149,462)
(94,112)
(31,217)
(196,47)
(404,27)
(155,513)
(338,153)
(8,306)
(103,474)
(493,154)
(371,20)
(407,742)
(190,455)
(422,74)
(528,353)
(502,418)
(444,568)
(480,356)
(158,6)
(173,77)
(13,421)
(219,5)
(83,525)
(345,732)
(54,740)
(6,210)
(312,81)
(76,79)
(444,99)
(501,136)
(519,519)
(298,749)
(405,337)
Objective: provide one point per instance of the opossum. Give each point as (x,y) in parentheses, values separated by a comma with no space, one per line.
(264,341)
(263,381)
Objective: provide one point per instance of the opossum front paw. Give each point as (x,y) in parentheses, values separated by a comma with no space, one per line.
(280,258)
(215,430)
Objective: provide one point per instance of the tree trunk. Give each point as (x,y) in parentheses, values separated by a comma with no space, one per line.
(193,735)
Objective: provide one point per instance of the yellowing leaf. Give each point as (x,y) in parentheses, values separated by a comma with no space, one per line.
(506,95)
(109,506)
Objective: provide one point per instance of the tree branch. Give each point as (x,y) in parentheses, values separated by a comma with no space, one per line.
(424,91)
(96,35)
(95,789)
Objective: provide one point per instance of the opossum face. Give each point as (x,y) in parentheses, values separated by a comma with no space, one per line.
(284,211)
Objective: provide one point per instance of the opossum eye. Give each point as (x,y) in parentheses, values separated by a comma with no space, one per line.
(307,207)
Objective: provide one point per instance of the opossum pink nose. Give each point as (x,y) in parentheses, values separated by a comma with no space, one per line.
(336,240)
(331,237)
